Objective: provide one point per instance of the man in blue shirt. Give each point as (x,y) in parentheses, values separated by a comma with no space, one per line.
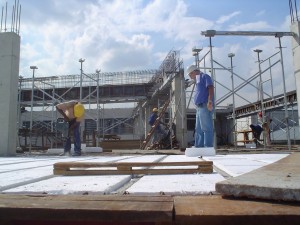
(203,99)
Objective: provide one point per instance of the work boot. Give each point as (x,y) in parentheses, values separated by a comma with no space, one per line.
(67,153)
(76,154)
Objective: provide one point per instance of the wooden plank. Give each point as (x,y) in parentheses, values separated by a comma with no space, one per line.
(126,209)
(214,210)
(86,208)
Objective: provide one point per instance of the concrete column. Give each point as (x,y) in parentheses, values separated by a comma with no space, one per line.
(179,108)
(9,76)
(295,28)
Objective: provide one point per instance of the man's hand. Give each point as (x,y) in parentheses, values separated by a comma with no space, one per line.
(209,105)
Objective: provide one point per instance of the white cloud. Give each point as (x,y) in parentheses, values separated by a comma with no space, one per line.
(261,13)
(137,34)
(226,18)
(254,26)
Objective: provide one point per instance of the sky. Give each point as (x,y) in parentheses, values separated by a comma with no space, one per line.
(129,35)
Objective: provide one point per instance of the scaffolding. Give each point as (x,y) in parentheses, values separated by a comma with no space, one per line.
(45,92)
(215,66)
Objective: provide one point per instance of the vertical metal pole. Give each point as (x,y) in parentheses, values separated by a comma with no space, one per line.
(231,55)
(1,19)
(81,73)
(53,102)
(52,114)
(261,92)
(32,95)
(19,110)
(271,77)
(271,80)
(19,102)
(97,137)
(214,101)
(103,120)
(284,93)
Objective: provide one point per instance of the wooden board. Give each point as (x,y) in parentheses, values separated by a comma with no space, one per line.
(133,210)
(214,210)
(86,208)
(86,168)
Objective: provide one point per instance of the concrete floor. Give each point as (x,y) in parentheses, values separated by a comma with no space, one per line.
(33,174)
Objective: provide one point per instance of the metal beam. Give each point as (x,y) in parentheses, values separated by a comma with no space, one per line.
(212,33)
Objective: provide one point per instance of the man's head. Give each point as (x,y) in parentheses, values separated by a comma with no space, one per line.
(191,71)
(155,110)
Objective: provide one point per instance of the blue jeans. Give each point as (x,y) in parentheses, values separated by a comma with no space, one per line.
(158,134)
(77,141)
(204,134)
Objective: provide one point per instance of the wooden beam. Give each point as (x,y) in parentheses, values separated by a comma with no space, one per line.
(154,210)
(215,210)
(117,209)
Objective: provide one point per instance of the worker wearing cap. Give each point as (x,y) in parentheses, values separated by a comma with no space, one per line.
(203,99)
(73,113)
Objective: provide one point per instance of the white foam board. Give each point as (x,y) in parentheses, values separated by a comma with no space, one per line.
(196,152)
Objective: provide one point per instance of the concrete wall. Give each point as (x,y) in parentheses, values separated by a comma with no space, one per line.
(179,109)
(9,75)
(295,28)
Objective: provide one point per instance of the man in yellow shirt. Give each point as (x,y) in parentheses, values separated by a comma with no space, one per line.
(73,113)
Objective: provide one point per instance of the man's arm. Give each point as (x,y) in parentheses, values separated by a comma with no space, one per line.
(62,113)
(210,97)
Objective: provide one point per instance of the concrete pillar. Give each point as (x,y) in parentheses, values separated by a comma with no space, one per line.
(9,76)
(295,28)
(179,108)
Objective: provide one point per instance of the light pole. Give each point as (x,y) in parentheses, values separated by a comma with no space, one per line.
(97,137)
(81,73)
(279,36)
(196,52)
(258,51)
(32,95)
(231,55)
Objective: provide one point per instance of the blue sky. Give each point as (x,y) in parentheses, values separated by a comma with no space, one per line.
(123,35)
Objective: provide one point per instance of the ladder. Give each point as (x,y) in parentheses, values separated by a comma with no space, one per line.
(157,121)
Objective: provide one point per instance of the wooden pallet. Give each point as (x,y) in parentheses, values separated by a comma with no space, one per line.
(121,168)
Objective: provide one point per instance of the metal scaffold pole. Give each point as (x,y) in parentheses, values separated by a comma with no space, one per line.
(279,35)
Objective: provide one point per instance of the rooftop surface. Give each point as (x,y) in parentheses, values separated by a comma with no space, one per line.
(33,174)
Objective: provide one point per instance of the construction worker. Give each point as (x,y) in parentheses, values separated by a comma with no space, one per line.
(256,131)
(73,113)
(203,99)
(158,133)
